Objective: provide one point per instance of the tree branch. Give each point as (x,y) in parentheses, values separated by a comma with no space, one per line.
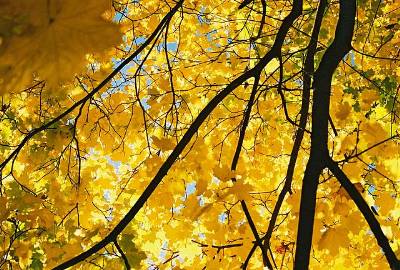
(366,212)
(305,104)
(340,46)
(121,252)
(235,160)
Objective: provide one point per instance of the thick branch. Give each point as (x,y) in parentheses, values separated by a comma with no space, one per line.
(319,133)
(305,104)
(307,74)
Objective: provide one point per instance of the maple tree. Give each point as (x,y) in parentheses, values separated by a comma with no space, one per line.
(199,134)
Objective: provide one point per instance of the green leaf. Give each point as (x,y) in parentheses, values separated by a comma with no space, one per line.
(36,262)
(134,255)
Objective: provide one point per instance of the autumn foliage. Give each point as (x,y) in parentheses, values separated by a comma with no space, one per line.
(198,134)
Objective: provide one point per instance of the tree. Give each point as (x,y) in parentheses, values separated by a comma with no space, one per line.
(199,134)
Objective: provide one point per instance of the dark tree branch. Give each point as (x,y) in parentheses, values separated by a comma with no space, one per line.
(245,3)
(282,96)
(347,158)
(286,24)
(340,46)
(121,252)
(235,160)
(262,23)
(245,123)
(366,212)
(218,247)
(332,126)
(307,75)
(305,104)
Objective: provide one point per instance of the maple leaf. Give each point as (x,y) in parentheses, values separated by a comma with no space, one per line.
(165,144)
(332,239)
(343,111)
(385,202)
(224,173)
(51,39)
(343,193)
(241,190)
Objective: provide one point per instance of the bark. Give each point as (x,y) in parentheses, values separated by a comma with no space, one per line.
(340,46)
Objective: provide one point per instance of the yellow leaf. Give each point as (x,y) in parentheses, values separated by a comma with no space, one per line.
(71,249)
(332,239)
(241,190)
(201,186)
(23,252)
(343,110)
(224,173)
(367,97)
(372,132)
(385,202)
(342,193)
(4,210)
(353,222)
(153,91)
(165,144)
(56,37)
